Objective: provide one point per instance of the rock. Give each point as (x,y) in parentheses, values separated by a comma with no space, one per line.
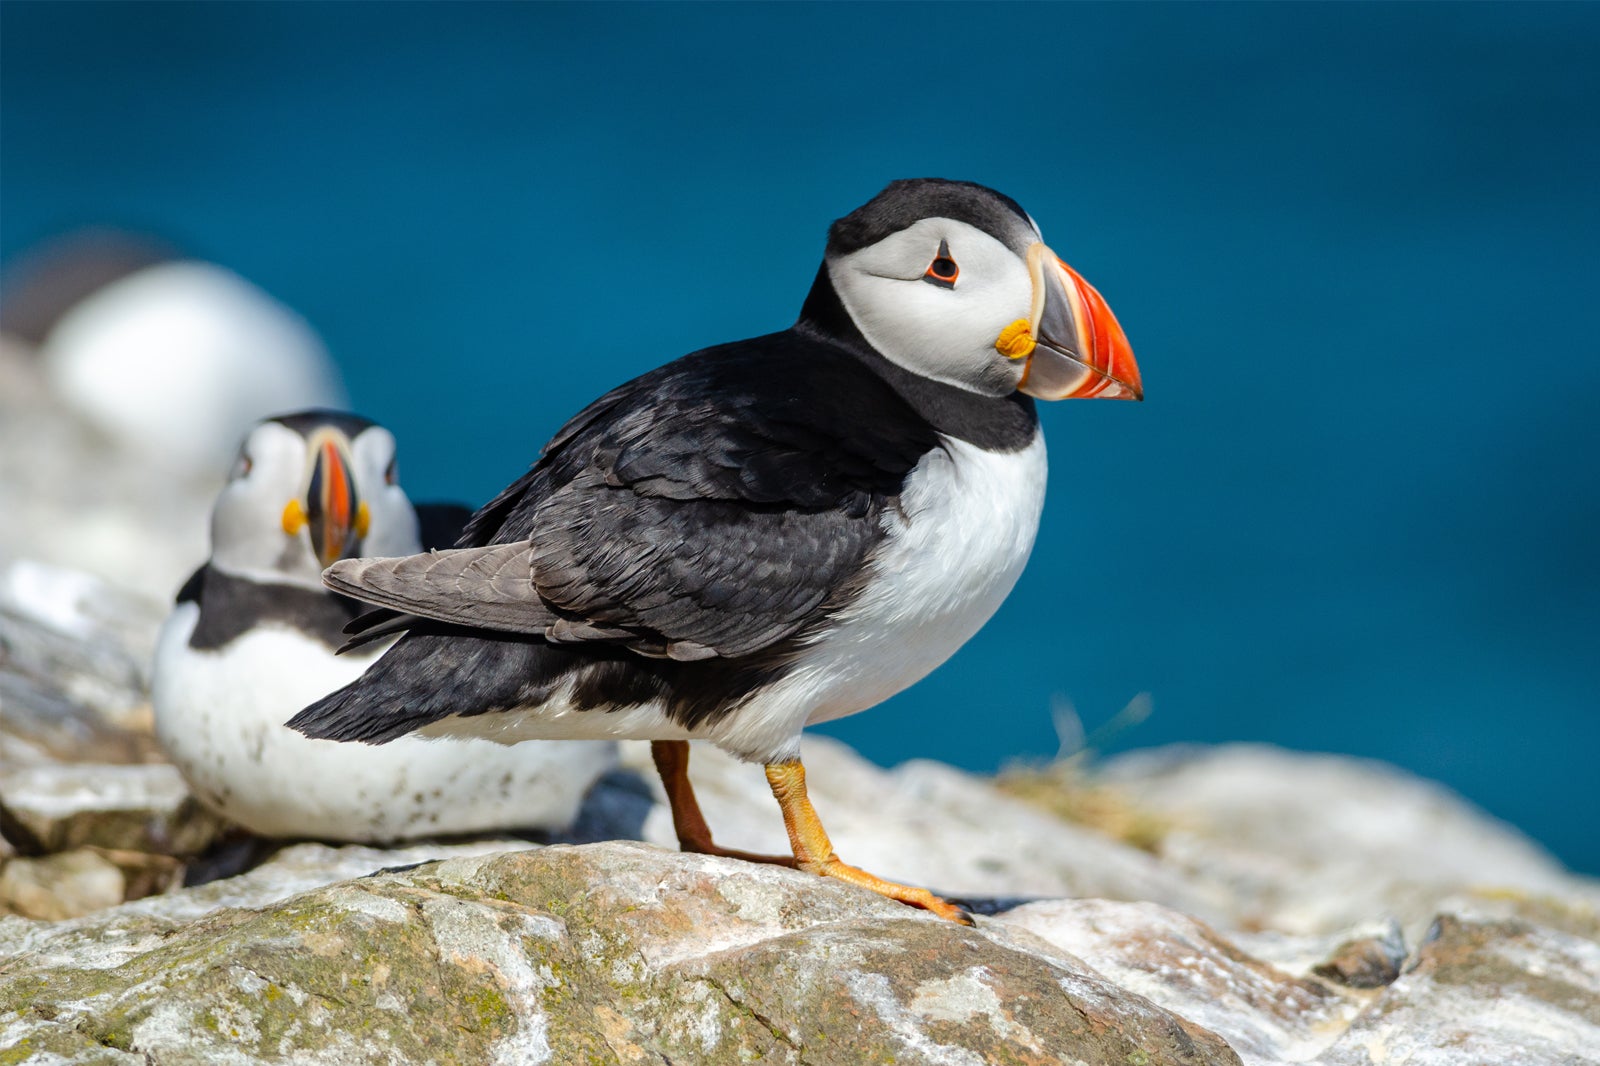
(60,886)
(1303,843)
(626,953)
(108,938)
(75,500)
(42,725)
(1365,962)
(139,808)
(924,823)
(1484,991)
(1183,965)
(103,624)
(74,667)
(145,874)
(1575,911)
(607,953)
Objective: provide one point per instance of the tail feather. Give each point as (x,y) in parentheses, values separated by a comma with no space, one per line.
(374,626)
(434,672)
(348,714)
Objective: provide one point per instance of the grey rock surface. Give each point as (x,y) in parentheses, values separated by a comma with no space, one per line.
(73,499)
(604,953)
(1180,963)
(144,807)
(63,885)
(623,952)
(925,823)
(1484,990)
(74,667)
(1307,843)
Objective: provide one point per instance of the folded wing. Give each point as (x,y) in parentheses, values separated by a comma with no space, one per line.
(675,526)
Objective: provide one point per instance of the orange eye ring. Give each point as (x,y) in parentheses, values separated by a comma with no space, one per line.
(943,271)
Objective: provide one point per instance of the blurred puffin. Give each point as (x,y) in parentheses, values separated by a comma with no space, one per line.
(175,360)
(762,534)
(253,636)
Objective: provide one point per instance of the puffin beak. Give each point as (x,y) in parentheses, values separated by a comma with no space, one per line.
(334,516)
(1079,350)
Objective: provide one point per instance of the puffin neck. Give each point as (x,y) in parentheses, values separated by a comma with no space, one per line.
(995,423)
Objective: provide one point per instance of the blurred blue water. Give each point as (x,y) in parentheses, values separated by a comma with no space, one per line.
(1356,249)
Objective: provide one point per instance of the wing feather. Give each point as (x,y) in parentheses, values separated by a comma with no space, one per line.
(490,587)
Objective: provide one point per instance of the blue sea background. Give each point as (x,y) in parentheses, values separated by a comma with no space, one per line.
(1356,248)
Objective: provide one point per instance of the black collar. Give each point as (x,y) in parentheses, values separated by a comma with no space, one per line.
(995,423)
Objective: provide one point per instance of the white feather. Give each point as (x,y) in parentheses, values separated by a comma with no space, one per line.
(558,719)
(955,550)
(220,715)
(946,334)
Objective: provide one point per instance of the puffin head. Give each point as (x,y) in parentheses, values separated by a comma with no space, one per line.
(952,281)
(308,489)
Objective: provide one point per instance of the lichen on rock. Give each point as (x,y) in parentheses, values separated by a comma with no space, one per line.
(605,953)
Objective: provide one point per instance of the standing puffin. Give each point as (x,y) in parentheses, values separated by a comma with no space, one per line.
(763,534)
(253,638)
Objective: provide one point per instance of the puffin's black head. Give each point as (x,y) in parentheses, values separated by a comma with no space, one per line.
(911,200)
(310,488)
(952,281)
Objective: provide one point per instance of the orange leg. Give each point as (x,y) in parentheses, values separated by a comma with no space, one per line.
(672,763)
(813,851)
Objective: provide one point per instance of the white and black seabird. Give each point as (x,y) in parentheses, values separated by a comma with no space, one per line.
(253,637)
(763,534)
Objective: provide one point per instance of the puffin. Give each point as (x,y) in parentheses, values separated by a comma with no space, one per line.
(253,635)
(175,361)
(764,534)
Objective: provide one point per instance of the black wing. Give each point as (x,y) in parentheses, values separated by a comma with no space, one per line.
(709,508)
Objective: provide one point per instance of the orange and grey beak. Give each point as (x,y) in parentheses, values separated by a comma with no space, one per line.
(1077,351)
(332,514)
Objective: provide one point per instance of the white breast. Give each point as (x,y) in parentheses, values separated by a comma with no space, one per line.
(955,549)
(220,714)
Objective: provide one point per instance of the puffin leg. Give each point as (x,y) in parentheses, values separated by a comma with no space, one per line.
(813,851)
(672,763)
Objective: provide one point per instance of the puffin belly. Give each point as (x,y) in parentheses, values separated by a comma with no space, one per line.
(954,550)
(220,715)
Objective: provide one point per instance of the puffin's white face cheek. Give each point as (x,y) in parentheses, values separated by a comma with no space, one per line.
(372,458)
(392,527)
(934,297)
(247,531)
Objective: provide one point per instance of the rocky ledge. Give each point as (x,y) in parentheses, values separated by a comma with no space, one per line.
(1228,905)
(624,952)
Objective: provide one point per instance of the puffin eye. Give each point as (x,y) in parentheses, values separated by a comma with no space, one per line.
(241,468)
(389,475)
(943,270)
